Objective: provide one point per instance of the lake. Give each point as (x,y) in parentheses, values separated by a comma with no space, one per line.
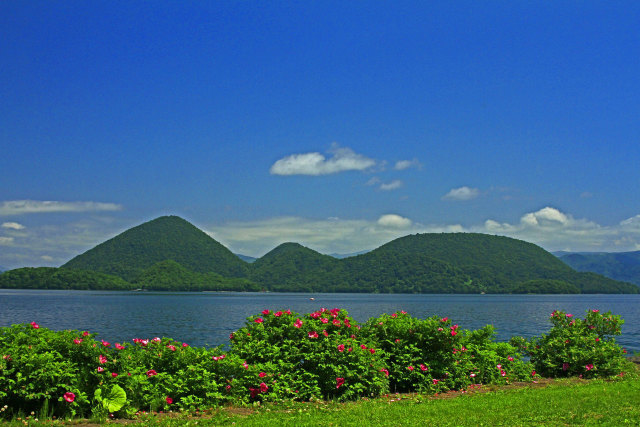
(207,319)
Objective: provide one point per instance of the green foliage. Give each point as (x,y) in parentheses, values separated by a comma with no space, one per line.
(282,356)
(60,278)
(574,346)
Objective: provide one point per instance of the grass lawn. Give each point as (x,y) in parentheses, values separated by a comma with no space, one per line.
(549,403)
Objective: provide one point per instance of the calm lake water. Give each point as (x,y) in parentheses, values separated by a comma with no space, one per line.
(206,319)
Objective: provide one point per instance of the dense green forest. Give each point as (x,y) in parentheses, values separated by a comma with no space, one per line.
(170,254)
(624,266)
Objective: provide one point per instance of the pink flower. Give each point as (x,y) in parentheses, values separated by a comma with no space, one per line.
(324,320)
(104,343)
(278,313)
(262,374)
(313,334)
(254,392)
(100,369)
(287,312)
(595,311)
(472,375)
(394,315)
(171,347)
(259,320)
(533,373)
(184,344)
(444,319)
(325,333)
(35,325)
(397,339)
(85,334)
(265,312)
(423,367)
(69,397)
(453,333)
(102,359)
(339,382)
(410,368)
(231,336)
(77,341)
(245,365)
(569,315)
(334,312)
(502,372)
(435,381)
(372,350)
(119,347)
(499,366)
(589,366)
(156,339)
(510,359)
(340,348)
(229,387)
(336,322)
(362,346)
(597,339)
(114,374)
(403,312)
(298,323)
(263,388)
(169,400)
(386,371)
(151,372)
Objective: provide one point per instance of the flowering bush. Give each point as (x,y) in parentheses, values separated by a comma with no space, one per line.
(433,354)
(284,355)
(319,355)
(574,346)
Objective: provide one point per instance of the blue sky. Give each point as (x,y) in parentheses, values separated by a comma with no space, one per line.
(338,125)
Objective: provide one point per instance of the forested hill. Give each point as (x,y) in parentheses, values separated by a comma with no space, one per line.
(623,266)
(166,238)
(169,253)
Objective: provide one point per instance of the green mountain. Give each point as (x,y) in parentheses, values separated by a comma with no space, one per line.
(624,266)
(430,263)
(166,238)
(171,254)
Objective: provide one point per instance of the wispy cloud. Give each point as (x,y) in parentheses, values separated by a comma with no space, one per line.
(20,207)
(406,164)
(462,194)
(6,241)
(393,185)
(13,226)
(343,159)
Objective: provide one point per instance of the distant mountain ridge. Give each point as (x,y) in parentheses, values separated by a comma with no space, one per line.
(624,266)
(169,253)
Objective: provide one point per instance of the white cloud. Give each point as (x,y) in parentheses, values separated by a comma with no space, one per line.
(19,207)
(461,194)
(373,181)
(406,164)
(393,185)
(6,240)
(343,159)
(13,226)
(393,220)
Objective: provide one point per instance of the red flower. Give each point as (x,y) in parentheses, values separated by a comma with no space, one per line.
(336,322)
(69,397)
(85,334)
(423,367)
(231,336)
(114,374)
(287,312)
(262,374)
(77,341)
(263,388)
(339,382)
(298,323)
(245,365)
(362,346)
(410,368)
(184,344)
(435,381)
(502,372)
(453,333)
(119,347)
(265,312)
(169,400)
(324,320)
(100,369)
(313,334)
(254,392)
(102,359)
(340,348)
(510,359)
(156,339)
(104,343)
(589,366)
(258,320)
(334,312)
(278,313)
(386,371)
(533,373)
(151,372)
(372,350)
(325,333)
(394,315)
(35,325)
(171,347)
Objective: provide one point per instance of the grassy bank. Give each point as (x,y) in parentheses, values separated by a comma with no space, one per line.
(558,402)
